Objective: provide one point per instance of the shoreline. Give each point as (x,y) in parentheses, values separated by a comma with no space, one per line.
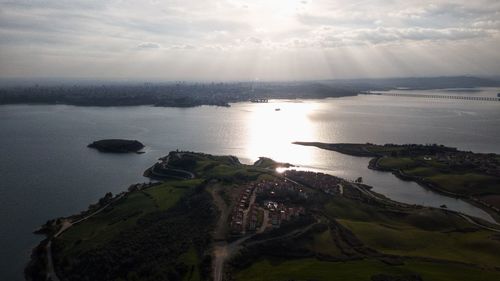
(42,266)
(373,165)
(225,104)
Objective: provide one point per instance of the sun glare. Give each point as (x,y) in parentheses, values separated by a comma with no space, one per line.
(274,126)
(283,6)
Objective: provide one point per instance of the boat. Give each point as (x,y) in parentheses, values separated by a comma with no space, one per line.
(277,109)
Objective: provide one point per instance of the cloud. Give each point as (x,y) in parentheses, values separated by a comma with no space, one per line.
(386,35)
(87,29)
(149,45)
(183,47)
(195,23)
(254,40)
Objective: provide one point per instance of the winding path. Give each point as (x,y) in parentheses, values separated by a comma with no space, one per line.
(222,252)
(471,221)
(66,224)
(166,159)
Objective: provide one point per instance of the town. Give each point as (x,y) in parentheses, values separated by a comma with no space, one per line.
(264,205)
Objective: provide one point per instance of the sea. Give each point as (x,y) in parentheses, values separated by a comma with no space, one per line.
(47,171)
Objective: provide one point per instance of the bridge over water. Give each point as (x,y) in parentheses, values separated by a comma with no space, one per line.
(449,97)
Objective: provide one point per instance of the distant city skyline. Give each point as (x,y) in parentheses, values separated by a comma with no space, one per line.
(248,40)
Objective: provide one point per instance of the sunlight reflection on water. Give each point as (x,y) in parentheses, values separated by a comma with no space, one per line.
(271,131)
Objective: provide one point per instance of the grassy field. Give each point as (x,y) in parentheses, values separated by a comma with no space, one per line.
(423,233)
(460,182)
(191,259)
(234,174)
(381,149)
(323,243)
(311,269)
(157,233)
(427,233)
(422,172)
(479,247)
(397,163)
(165,197)
(468,183)
(124,214)
(424,218)
(225,168)
(104,226)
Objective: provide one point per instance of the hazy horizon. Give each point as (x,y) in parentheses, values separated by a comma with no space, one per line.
(248,40)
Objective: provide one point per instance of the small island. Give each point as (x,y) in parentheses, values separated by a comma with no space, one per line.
(117,146)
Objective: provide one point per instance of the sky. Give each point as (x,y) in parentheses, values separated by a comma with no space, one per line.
(248,40)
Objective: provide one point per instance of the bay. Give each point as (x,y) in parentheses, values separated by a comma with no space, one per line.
(47,171)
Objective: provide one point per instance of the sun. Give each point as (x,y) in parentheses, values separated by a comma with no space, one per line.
(284,7)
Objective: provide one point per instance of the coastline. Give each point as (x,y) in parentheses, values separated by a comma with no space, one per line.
(491,210)
(43,267)
(40,266)
(171,104)
(373,164)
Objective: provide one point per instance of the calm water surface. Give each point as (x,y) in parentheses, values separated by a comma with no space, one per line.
(47,171)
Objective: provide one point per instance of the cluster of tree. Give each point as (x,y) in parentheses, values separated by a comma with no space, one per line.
(151,249)
(186,162)
(36,268)
(418,150)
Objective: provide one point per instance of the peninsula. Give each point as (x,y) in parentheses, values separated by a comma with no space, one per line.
(209,217)
(464,174)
